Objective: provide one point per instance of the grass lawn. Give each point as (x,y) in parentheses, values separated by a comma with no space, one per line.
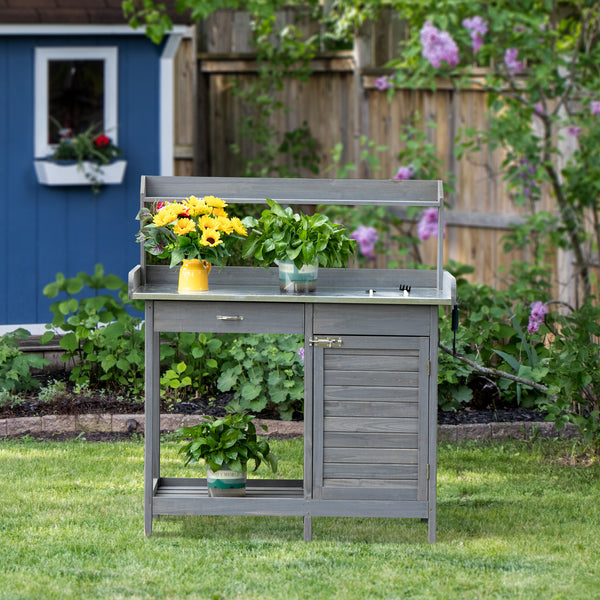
(515,520)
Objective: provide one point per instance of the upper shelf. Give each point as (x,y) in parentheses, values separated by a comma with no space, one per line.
(255,190)
(332,192)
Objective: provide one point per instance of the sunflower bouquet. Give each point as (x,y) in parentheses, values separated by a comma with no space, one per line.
(193,228)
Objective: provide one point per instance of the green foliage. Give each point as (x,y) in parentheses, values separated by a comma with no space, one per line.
(104,342)
(491,333)
(265,372)
(546,98)
(192,362)
(282,234)
(229,441)
(574,375)
(16,365)
(368,156)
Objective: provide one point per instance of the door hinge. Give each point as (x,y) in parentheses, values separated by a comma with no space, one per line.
(326,342)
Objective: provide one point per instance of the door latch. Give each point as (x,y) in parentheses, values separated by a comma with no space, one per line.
(326,342)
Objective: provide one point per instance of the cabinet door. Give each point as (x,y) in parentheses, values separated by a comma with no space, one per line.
(370,419)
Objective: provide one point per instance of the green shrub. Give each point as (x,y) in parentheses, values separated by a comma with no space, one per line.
(15,365)
(265,371)
(103,341)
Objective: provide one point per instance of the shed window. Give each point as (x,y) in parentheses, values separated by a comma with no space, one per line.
(76,88)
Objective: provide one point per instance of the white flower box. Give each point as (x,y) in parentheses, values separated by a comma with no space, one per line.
(50,172)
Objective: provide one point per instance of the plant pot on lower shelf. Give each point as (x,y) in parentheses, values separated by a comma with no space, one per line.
(225,483)
(51,172)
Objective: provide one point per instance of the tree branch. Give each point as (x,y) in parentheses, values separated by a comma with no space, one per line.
(495,372)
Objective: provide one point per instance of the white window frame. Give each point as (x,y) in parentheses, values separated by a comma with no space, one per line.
(43,55)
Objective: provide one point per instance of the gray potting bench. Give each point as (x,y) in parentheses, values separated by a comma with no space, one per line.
(370,406)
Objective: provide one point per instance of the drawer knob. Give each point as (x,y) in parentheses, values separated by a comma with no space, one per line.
(230,317)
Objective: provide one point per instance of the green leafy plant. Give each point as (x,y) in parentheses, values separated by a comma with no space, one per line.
(89,146)
(101,339)
(191,362)
(574,378)
(230,441)
(16,365)
(265,372)
(282,234)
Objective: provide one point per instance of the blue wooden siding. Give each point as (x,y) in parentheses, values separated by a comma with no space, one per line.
(45,230)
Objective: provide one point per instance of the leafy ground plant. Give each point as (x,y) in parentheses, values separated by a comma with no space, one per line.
(15,365)
(516,520)
(101,339)
(265,371)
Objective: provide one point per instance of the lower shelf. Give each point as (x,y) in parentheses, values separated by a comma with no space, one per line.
(275,497)
(188,496)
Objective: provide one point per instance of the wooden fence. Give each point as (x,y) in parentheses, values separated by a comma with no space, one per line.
(340,104)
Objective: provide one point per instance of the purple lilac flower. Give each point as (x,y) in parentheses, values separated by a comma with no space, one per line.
(574,130)
(428,224)
(384,83)
(526,176)
(366,238)
(510,60)
(301,354)
(536,317)
(405,173)
(438,46)
(595,107)
(477,28)
(538,109)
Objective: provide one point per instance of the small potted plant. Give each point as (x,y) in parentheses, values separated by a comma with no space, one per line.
(298,243)
(88,158)
(226,444)
(197,232)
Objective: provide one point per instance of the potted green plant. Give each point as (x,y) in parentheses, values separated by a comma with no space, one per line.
(226,444)
(88,158)
(298,243)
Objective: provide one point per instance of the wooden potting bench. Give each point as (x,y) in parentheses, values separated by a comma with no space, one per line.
(370,405)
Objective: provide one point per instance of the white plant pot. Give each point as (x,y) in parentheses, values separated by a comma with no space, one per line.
(50,172)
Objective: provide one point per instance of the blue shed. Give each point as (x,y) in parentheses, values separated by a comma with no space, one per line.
(63,227)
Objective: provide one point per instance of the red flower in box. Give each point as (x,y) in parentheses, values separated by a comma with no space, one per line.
(102,140)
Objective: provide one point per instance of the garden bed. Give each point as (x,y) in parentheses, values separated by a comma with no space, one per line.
(90,401)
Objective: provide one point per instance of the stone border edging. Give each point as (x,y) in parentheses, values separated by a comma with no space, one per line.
(134,423)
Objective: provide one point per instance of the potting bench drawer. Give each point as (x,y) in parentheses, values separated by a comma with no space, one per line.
(229,317)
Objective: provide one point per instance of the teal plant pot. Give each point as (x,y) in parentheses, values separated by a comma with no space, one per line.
(225,483)
(297,281)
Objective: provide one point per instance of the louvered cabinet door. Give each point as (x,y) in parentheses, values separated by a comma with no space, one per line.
(371,418)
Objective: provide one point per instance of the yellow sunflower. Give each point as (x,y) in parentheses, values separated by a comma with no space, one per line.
(219,212)
(224,225)
(207,222)
(238,226)
(167,214)
(211,237)
(196,206)
(215,202)
(184,226)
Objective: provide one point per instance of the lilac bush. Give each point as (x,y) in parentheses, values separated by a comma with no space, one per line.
(366,237)
(428,224)
(438,46)
(536,317)
(404,173)
(478,28)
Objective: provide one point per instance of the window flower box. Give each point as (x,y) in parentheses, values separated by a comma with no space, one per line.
(51,172)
